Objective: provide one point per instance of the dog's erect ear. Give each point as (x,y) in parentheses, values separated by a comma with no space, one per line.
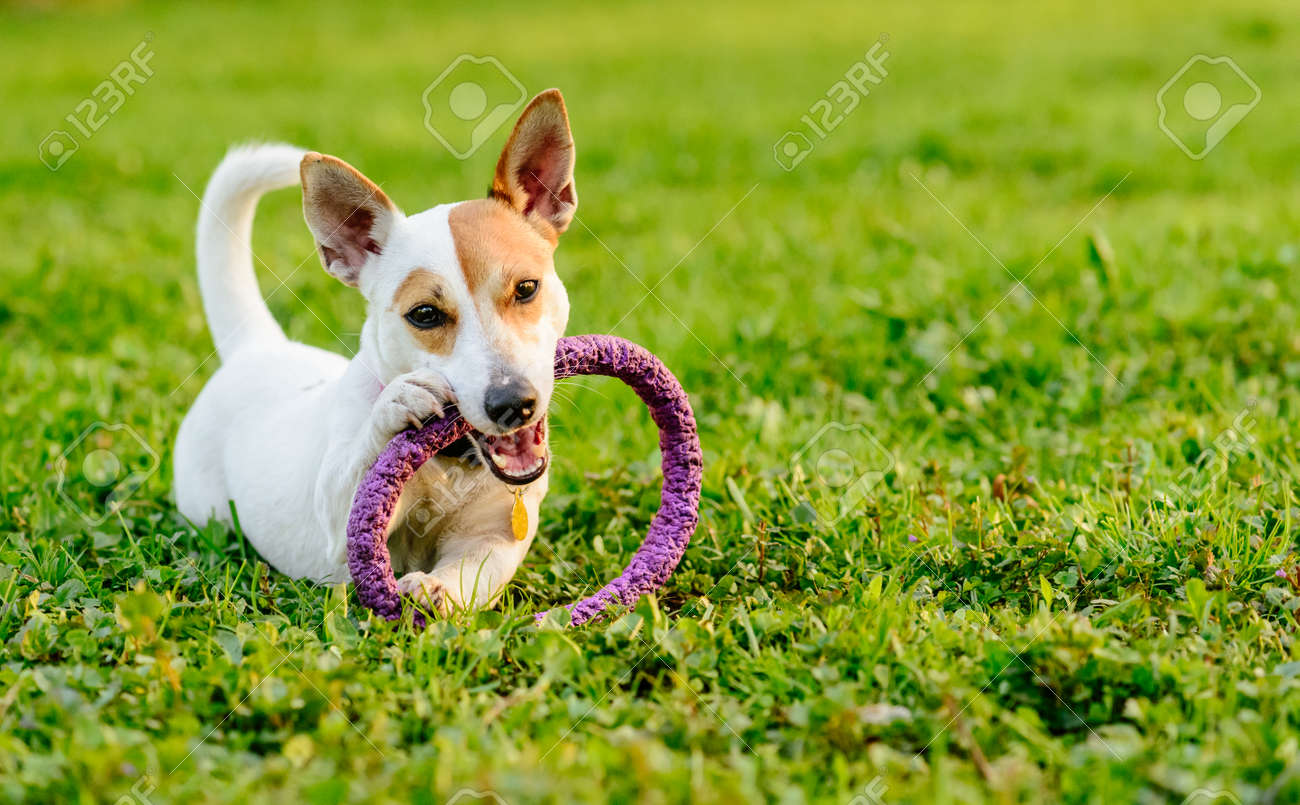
(535,172)
(349,215)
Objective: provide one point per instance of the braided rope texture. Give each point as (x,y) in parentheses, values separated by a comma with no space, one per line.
(670,529)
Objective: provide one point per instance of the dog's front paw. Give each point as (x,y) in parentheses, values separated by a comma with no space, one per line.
(428,591)
(409,400)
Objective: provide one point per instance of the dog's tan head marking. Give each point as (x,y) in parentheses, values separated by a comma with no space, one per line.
(505,243)
(423,287)
(498,250)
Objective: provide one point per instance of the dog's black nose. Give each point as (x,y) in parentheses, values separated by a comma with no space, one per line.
(511,402)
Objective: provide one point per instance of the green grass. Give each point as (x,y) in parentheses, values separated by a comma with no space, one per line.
(1023,609)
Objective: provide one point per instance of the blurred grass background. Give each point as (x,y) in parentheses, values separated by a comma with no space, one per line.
(856,288)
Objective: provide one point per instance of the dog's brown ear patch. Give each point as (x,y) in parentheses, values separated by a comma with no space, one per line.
(348,214)
(535,172)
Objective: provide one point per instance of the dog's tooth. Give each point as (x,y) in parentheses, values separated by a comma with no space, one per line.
(499,460)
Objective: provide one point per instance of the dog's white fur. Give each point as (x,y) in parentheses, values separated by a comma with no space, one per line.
(286,431)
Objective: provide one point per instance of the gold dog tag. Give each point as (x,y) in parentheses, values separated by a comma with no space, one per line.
(519,517)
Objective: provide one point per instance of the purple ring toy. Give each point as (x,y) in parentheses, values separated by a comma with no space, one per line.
(670,530)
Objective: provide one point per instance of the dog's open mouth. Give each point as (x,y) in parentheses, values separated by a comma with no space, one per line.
(518,457)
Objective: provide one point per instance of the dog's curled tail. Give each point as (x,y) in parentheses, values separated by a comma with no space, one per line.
(236,312)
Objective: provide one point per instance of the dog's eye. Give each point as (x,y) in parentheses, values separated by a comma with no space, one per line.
(426,317)
(526,290)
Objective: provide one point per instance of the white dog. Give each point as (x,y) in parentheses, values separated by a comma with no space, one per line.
(463,305)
